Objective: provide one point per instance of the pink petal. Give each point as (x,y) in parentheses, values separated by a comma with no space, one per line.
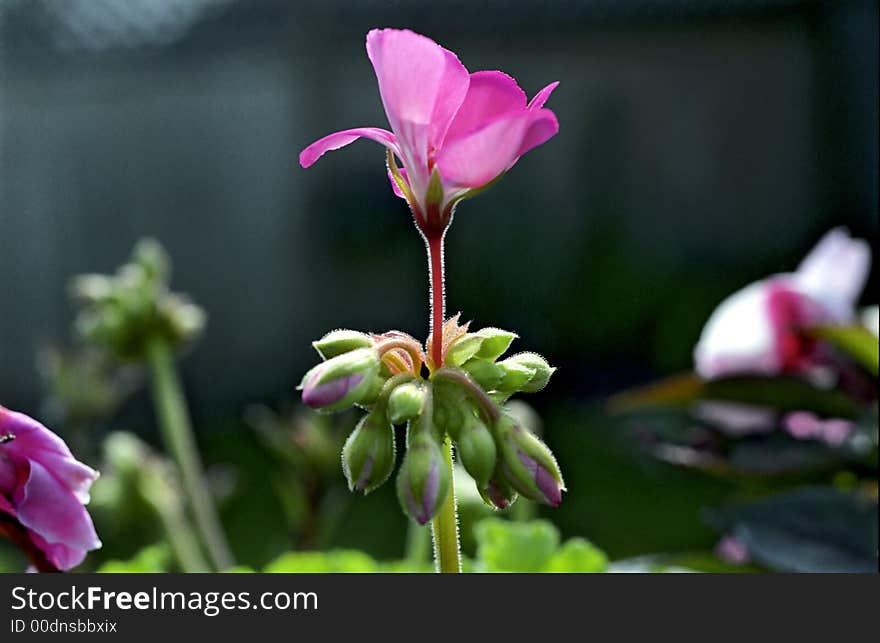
(29,434)
(420,81)
(50,510)
(60,555)
(34,442)
(543,127)
(76,476)
(490,94)
(476,159)
(340,139)
(541,97)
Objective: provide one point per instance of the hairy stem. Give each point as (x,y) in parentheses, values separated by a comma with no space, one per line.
(444,527)
(177,434)
(438,294)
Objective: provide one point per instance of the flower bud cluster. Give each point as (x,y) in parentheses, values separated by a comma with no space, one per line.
(124,311)
(460,400)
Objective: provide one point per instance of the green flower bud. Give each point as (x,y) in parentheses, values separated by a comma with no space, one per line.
(541,370)
(341,341)
(514,376)
(341,381)
(372,394)
(495,342)
(405,402)
(476,449)
(528,464)
(368,454)
(423,480)
(485,372)
(462,349)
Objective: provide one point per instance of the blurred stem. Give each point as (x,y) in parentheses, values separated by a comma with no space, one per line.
(155,488)
(444,527)
(177,433)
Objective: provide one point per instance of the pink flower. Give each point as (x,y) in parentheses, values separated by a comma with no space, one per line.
(453,131)
(758,330)
(43,490)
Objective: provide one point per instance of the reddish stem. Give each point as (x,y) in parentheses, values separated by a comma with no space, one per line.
(438,299)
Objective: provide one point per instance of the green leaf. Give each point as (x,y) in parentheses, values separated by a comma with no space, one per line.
(319,562)
(504,546)
(577,556)
(856,341)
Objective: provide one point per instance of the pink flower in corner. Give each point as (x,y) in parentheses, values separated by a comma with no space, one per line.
(43,490)
(453,131)
(759,330)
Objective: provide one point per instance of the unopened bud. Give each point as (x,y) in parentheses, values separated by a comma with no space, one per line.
(541,370)
(423,480)
(341,381)
(476,449)
(462,349)
(341,341)
(405,402)
(528,464)
(485,372)
(513,376)
(368,454)
(498,493)
(495,342)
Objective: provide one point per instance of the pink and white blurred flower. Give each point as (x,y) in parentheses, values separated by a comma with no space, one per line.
(43,493)
(758,330)
(454,132)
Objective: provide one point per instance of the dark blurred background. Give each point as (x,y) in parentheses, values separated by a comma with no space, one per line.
(703,145)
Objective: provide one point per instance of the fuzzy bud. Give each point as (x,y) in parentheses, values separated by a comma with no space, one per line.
(528,464)
(476,448)
(462,349)
(368,453)
(423,480)
(495,342)
(485,372)
(405,402)
(341,341)
(541,370)
(341,381)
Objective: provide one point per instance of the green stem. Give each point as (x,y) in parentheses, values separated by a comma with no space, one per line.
(179,532)
(178,436)
(418,544)
(444,527)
